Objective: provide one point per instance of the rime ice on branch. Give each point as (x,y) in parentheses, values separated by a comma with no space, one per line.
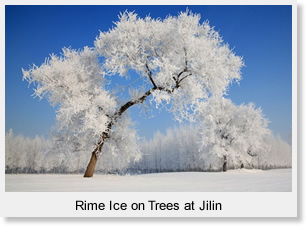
(180,60)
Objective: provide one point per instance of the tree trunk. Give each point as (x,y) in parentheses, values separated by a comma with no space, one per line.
(225,164)
(94,155)
(93,160)
(91,165)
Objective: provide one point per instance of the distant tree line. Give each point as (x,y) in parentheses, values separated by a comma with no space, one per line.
(179,150)
(176,150)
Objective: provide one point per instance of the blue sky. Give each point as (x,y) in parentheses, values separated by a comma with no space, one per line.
(261,34)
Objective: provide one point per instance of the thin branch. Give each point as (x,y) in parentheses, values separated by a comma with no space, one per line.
(184,77)
(158,55)
(186,61)
(150,75)
(177,79)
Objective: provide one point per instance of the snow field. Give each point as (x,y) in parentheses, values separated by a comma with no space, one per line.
(242,180)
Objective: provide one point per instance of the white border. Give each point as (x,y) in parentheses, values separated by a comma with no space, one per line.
(59,204)
(63,204)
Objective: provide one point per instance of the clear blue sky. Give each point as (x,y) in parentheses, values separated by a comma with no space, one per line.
(261,34)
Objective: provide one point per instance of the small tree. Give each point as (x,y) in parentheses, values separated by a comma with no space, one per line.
(179,61)
(230,131)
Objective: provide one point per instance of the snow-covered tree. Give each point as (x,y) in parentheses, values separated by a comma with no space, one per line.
(23,154)
(9,150)
(34,155)
(231,132)
(174,151)
(180,61)
(279,154)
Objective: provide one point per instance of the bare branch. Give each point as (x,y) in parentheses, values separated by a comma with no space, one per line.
(184,77)
(150,75)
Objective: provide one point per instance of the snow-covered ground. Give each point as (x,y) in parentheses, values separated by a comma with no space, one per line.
(243,180)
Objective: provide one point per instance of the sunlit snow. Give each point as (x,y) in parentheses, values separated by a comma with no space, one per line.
(243,180)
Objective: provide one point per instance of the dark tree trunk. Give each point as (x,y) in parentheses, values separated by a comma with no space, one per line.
(225,164)
(94,155)
(93,160)
(91,165)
